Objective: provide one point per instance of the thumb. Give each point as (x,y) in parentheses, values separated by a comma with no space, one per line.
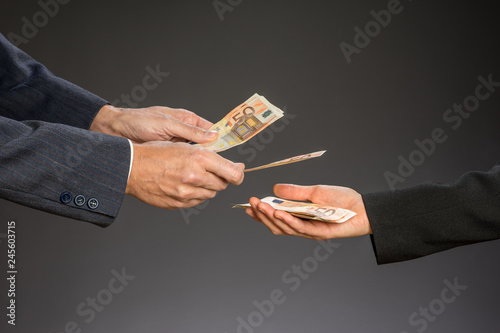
(192,133)
(294,192)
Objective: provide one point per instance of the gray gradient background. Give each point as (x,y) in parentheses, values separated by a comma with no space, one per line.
(199,277)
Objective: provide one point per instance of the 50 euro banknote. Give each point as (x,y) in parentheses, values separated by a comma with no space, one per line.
(307,210)
(243,123)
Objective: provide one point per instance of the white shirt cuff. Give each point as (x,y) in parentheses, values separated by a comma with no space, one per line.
(131,157)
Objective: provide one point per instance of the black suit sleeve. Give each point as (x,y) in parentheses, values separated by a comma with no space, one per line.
(417,221)
(29,91)
(46,166)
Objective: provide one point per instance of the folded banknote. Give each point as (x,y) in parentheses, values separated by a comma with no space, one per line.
(306,210)
(290,160)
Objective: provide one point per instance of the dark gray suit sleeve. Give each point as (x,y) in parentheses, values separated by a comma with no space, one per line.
(63,170)
(417,221)
(29,91)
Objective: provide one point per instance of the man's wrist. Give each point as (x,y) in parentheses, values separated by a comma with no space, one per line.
(106,120)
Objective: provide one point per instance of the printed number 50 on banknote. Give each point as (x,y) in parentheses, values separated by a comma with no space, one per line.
(243,123)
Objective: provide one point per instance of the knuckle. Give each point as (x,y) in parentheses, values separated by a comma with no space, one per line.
(183,193)
(318,188)
(189,116)
(187,112)
(237,176)
(190,178)
(202,155)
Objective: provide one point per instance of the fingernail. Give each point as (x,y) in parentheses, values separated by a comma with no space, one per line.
(211,133)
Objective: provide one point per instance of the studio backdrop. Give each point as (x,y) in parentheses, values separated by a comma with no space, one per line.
(365,80)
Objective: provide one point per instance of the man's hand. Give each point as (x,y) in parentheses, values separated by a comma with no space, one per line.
(282,223)
(155,123)
(179,175)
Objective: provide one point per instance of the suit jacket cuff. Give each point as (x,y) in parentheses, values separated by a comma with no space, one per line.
(63,170)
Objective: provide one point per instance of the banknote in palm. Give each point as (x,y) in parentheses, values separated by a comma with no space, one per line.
(307,210)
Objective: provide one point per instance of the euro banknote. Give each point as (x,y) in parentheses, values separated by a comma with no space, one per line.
(290,160)
(243,123)
(306,210)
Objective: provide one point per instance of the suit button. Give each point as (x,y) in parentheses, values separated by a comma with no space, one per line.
(66,197)
(93,203)
(80,200)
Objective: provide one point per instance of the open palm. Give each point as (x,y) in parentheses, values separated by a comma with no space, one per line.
(282,223)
